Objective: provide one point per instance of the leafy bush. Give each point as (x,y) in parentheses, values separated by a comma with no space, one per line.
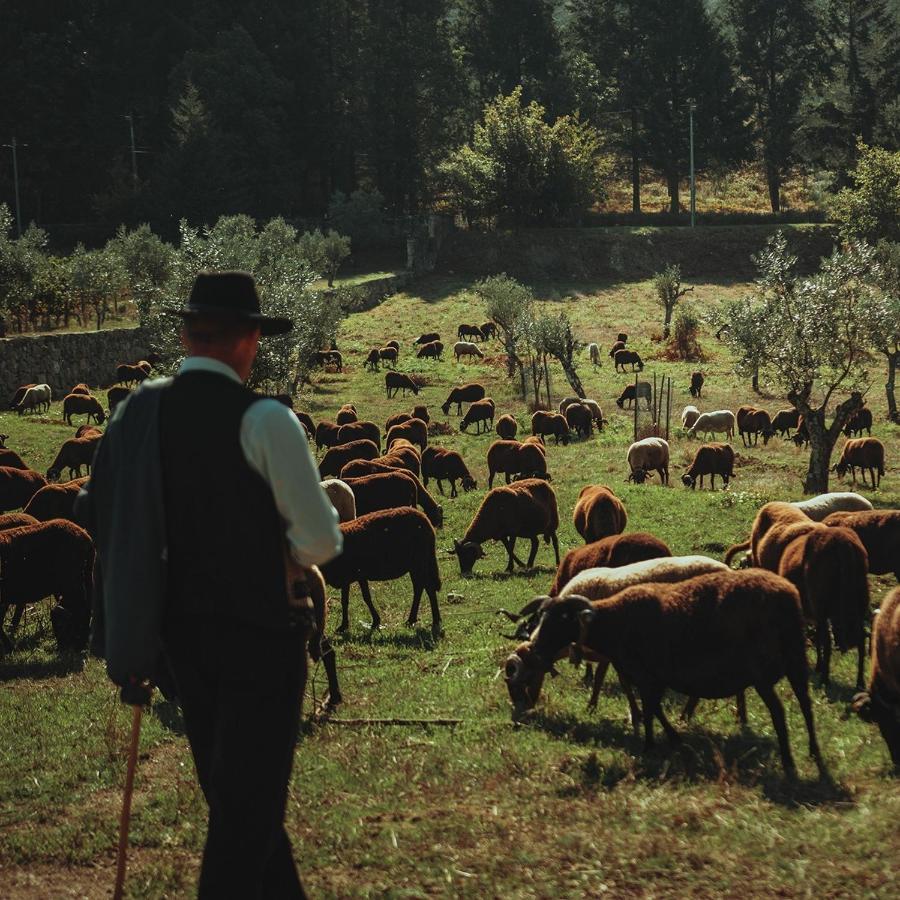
(669,292)
(870,210)
(361,217)
(325,252)
(684,344)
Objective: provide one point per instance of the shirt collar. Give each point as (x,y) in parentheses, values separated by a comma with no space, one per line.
(207,364)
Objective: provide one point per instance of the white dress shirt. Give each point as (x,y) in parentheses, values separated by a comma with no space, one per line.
(274,445)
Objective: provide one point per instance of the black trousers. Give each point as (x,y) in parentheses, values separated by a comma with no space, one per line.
(240,690)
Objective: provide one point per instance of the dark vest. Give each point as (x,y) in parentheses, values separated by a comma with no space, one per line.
(224,534)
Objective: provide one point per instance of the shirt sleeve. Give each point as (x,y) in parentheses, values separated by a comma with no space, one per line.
(275,446)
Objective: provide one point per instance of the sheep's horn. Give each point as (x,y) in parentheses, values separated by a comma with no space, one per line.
(580,601)
(513,617)
(514,668)
(533,606)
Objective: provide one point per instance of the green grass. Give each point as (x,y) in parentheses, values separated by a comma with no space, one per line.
(566,805)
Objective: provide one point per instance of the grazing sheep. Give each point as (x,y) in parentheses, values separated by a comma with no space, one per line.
(446,465)
(647,455)
(19,394)
(346,415)
(74,453)
(390,488)
(865,453)
(336,458)
(322,358)
(612,552)
(128,374)
(79,404)
(342,499)
(622,337)
(372,360)
(481,411)
(466,393)
(507,427)
(722,421)
(428,338)
(860,421)
(421,412)
(628,357)
(769,516)
(464,348)
(357,431)
(488,330)
(712,460)
(829,568)
(10,459)
(598,513)
(403,455)
(396,419)
(115,395)
(16,520)
(37,397)
(784,420)
(879,531)
(393,343)
(55,501)
(752,423)
(397,381)
(87,431)
(413,430)
(319,646)
(689,415)
(641,391)
(565,403)
(434,350)
(469,331)
(697,379)
(526,509)
(881,702)
(81,388)
(616,347)
(712,636)
(383,546)
(596,413)
(306,421)
(327,434)
(818,508)
(544,423)
(388,355)
(514,458)
(580,420)
(594,353)
(54,558)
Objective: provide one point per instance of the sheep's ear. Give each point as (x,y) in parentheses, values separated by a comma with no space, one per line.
(586,618)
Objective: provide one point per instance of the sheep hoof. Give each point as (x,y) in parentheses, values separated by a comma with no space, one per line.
(437,631)
(344,626)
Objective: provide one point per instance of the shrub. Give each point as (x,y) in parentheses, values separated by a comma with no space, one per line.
(871,208)
(684,344)
(361,217)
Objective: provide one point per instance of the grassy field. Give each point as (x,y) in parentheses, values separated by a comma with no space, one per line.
(566,805)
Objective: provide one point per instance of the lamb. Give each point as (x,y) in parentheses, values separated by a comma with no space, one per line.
(397,381)
(55,501)
(881,702)
(413,430)
(598,513)
(434,350)
(626,357)
(580,420)
(336,458)
(383,546)
(616,347)
(19,394)
(697,379)
(784,420)
(115,395)
(526,509)
(507,427)
(711,636)
(36,397)
(128,374)
(346,414)
(390,489)
(79,404)
(865,453)
(342,499)
(512,458)
(543,423)
(712,460)
(12,460)
(642,391)
(74,453)
(488,330)
(388,355)
(481,411)
(859,421)
(356,431)
(689,415)
(646,455)
(751,423)
(776,514)
(17,487)
(818,508)
(446,465)
(464,348)
(50,558)
(594,353)
(879,531)
(468,331)
(327,434)
(466,393)
(427,338)
(722,421)
(372,360)
(829,568)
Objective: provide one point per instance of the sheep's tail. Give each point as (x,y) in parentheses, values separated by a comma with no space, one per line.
(734,550)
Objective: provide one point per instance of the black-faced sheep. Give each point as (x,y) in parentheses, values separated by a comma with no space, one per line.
(383,546)
(17,487)
(646,456)
(513,458)
(427,338)
(388,355)
(466,393)
(866,454)
(434,350)
(616,347)
(465,348)
(37,397)
(507,427)
(634,394)
(357,431)
(784,420)
(579,419)
(398,381)
(372,360)
(115,395)
(346,415)
(336,458)
(469,331)
(721,421)
(55,501)
(479,413)
(79,404)
(598,513)
(712,460)
(628,357)
(544,423)
(526,509)
(446,465)
(413,430)
(697,379)
(860,421)
(128,374)
(74,453)
(879,531)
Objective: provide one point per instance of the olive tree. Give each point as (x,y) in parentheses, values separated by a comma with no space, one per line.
(884,318)
(669,292)
(510,305)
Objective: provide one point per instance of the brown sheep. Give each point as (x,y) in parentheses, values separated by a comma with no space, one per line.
(307,422)
(396,419)
(642,390)
(393,342)
(391,489)
(336,458)
(879,531)
(421,412)
(372,360)
(82,389)
(507,427)
(397,381)
(860,421)
(544,423)
(784,420)
(611,552)
(712,460)
(579,419)
(526,509)
(628,357)
(403,455)
(128,374)
(712,636)
(598,513)
(616,347)
(74,453)
(864,453)
(327,434)
(11,459)
(512,458)
(801,435)
(881,702)
(322,358)
(383,546)
(17,487)
(413,430)
(55,501)
(466,393)
(88,431)
(697,379)
(464,332)
(488,330)
(434,350)
(446,465)
(388,355)
(481,411)
(114,396)
(752,423)
(427,338)
(828,566)
(16,520)
(356,431)
(79,404)
(776,513)
(346,415)
(19,395)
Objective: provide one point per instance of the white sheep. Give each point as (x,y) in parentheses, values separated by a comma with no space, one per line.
(594,352)
(646,455)
(465,348)
(38,397)
(341,496)
(722,421)
(596,412)
(817,508)
(689,415)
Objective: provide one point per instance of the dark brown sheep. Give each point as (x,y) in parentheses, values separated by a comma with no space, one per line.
(860,421)
(372,360)
(336,458)
(643,391)
(446,465)
(421,412)
(428,338)
(128,374)
(598,513)
(55,501)
(398,381)
(434,350)
(17,487)
(115,395)
(544,423)
(20,394)
(11,459)
(513,458)
(327,434)
(697,379)
(383,546)
(801,435)
(307,422)
(393,342)
(628,357)
(526,509)
(480,412)
(769,516)
(507,427)
(752,423)
(616,347)
(388,355)
(466,393)
(784,420)
(879,531)
(322,358)
(403,455)
(579,419)
(866,454)
(79,404)
(74,453)
(16,520)
(81,388)
(391,488)
(464,332)
(413,430)
(712,460)
(488,330)
(346,415)
(357,431)
(87,431)
(396,419)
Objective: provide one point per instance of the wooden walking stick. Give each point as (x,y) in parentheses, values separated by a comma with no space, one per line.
(126,802)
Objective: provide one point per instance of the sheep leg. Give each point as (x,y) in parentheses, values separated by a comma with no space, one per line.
(673,736)
(533,553)
(322,649)
(367,597)
(860,665)
(509,543)
(555,541)
(799,681)
(650,701)
(599,676)
(437,629)
(414,609)
(776,710)
(345,606)
(823,649)
(689,709)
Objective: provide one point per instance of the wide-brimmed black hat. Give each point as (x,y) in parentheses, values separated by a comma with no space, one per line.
(230,295)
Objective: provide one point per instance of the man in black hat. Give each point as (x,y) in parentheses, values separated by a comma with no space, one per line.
(239,488)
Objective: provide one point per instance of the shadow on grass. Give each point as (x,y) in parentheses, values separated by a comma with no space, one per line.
(37,669)
(169,715)
(416,638)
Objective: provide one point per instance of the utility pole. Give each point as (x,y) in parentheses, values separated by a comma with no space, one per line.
(691,107)
(13,146)
(134,174)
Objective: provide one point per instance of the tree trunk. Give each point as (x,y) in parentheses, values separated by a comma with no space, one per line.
(892,360)
(572,377)
(635,166)
(773,180)
(822,439)
(754,382)
(674,203)
(667,324)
